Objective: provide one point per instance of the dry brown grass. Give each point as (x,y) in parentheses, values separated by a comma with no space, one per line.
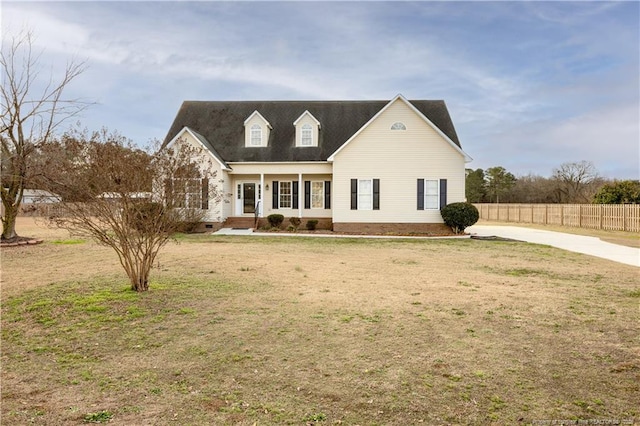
(247,330)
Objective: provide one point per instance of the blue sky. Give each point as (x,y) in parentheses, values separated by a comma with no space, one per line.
(529,85)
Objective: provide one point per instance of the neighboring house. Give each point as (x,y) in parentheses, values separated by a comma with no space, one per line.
(39,196)
(362,166)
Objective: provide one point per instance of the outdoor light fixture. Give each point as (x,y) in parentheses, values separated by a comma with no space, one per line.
(266,187)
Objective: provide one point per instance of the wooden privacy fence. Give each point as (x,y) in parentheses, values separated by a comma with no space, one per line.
(611,217)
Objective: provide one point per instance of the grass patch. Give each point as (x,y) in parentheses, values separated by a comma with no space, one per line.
(364,339)
(71,241)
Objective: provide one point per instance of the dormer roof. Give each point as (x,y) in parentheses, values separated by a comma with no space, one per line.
(256,113)
(306,113)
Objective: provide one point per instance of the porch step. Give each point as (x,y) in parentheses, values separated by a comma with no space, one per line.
(239,222)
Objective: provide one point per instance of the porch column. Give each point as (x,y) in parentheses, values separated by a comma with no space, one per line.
(261,206)
(300,195)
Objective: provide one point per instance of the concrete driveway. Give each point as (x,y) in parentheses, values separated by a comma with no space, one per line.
(592,246)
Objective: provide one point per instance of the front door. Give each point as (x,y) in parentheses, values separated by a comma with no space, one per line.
(249,198)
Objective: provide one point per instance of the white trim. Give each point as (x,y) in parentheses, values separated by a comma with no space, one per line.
(414,109)
(295,123)
(306,128)
(280,183)
(300,194)
(261,117)
(261,206)
(437,181)
(188,130)
(255,128)
(239,202)
(278,162)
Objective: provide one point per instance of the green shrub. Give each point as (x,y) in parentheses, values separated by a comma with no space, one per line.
(275,220)
(459,216)
(295,222)
(311,224)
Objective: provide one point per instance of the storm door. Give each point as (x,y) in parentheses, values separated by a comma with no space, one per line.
(249,198)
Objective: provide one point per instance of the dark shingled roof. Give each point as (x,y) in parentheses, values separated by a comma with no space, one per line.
(221,123)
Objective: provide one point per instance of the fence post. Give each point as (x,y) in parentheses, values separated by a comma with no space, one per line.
(624,217)
(561,214)
(546,212)
(601,209)
(579,215)
(531,213)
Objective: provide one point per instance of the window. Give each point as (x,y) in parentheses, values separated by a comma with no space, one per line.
(306,135)
(398,126)
(317,195)
(365,194)
(256,135)
(431,195)
(285,195)
(188,193)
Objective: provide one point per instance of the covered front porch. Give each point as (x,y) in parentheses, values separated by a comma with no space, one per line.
(293,190)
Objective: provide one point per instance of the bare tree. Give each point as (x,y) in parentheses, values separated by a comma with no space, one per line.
(132,200)
(32,109)
(576,182)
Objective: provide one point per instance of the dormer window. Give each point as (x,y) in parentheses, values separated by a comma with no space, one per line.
(306,138)
(256,135)
(307,130)
(398,126)
(256,131)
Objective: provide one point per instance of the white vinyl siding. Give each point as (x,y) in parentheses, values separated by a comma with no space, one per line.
(307,130)
(256,131)
(216,210)
(397,158)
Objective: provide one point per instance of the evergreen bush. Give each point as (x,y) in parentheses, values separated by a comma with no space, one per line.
(459,216)
(275,220)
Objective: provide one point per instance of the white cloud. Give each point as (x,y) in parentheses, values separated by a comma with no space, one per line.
(529,85)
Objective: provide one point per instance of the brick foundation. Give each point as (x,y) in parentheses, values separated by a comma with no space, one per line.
(393,228)
(323,223)
(208,227)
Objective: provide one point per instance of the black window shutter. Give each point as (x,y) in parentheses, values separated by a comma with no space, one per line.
(274,193)
(307,194)
(420,194)
(205,193)
(327,194)
(443,193)
(354,194)
(294,194)
(376,194)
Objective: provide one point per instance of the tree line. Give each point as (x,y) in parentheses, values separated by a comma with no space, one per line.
(570,183)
